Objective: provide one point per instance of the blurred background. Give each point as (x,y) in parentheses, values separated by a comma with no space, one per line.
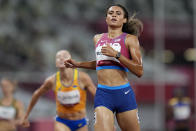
(32,31)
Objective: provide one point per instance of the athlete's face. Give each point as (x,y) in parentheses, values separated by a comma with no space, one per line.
(7,86)
(115,17)
(62,56)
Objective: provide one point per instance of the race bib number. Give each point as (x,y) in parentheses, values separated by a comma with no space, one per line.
(100,56)
(69,98)
(7,113)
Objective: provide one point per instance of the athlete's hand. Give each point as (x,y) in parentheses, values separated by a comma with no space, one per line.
(71,63)
(108,51)
(25,122)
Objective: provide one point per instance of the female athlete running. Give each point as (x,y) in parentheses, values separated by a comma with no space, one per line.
(117,52)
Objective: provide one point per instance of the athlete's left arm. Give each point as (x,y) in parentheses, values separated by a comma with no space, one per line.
(88,83)
(20,112)
(135,64)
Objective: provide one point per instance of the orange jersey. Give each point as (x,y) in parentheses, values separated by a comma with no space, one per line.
(69,99)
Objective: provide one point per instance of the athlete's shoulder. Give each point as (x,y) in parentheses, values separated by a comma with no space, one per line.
(50,80)
(97,37)
(173,101)
(131,36)
(187,99)
(84,77)
(132,39)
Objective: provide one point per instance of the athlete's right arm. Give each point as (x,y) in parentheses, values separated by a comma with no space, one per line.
(46,86)
(74,64)
(88,64)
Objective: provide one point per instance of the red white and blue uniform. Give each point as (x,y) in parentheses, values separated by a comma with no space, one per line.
(116,98)
(118,44)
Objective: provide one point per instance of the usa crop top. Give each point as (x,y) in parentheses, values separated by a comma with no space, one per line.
(118,44)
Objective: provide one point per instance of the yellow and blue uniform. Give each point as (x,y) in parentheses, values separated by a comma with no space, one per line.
(70,99)
(181,113)
(181,108)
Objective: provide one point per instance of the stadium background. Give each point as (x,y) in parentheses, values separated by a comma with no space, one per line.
(32,31)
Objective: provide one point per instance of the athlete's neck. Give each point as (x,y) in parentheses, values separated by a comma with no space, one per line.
(8,98)
(114,32)
(66,73)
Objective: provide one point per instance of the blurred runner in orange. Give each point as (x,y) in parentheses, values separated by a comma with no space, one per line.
(70,86)
(11,110)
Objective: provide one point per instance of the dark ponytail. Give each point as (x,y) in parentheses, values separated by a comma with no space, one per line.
(133,26)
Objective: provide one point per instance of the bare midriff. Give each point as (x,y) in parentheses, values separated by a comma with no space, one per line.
(73,116)
(112,77)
